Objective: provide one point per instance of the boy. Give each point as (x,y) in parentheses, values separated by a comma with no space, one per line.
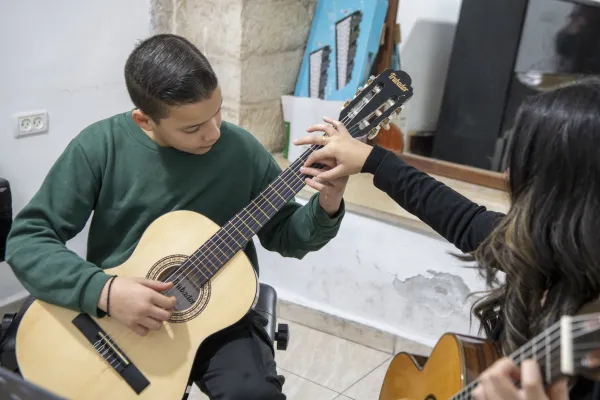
(171,152)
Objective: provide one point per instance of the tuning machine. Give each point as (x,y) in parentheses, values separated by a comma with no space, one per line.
(385,124)
(371,79)
(373,133)
(391,103)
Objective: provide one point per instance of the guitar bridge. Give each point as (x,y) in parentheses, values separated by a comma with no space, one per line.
(110,352)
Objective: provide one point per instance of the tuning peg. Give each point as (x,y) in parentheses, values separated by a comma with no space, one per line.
(399,110)
(373,133)
(371,79)
(346,104)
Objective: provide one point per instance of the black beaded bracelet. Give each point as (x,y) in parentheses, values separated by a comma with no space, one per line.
(112,279)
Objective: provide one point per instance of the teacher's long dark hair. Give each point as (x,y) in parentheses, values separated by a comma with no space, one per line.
(548,243)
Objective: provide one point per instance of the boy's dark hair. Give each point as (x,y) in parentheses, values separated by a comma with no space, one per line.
(167,70)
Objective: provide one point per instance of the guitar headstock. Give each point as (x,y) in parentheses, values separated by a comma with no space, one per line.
(580,345)
(373,105)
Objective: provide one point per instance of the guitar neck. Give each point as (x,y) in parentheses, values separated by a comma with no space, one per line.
(245,224)
(239,230)
(544,348)
(371,107)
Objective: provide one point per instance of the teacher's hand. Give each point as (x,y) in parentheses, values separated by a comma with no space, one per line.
(498,382)
(344,154)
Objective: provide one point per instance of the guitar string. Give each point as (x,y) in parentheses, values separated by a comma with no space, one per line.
(524,352)
(555,362)
(204,257)
(261,204)
(296,186)
(203,263)
(300,184)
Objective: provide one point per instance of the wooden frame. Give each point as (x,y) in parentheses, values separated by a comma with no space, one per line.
(459,172)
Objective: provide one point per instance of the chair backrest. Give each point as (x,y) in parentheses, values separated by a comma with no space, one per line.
(5,215)
(12,386)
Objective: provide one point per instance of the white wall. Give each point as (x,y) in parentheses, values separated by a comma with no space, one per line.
(428,28)
(66,57)
(383,276)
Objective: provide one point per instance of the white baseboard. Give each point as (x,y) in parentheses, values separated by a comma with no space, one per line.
(366,335)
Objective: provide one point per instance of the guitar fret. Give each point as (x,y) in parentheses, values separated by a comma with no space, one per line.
(232,238)
(235,227)
(244,222)
(201,267)
(232,250)
(291,190)
(254,218)
(207,256)
(198,260)
(297,176)
(220,251)
(268,201)
(260,209)
(277,193)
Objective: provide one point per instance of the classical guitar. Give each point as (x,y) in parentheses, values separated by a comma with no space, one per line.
(81,357)
(456,361)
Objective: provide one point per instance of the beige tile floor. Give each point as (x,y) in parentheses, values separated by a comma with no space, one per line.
(319,366)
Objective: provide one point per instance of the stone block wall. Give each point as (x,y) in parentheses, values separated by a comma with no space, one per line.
(255,47)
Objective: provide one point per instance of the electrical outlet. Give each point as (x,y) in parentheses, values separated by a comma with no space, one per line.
(31,123)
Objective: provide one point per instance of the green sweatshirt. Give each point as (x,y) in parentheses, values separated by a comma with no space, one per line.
(115,171)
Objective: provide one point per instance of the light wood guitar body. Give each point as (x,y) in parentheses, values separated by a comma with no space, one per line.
(54,354)
(454,362)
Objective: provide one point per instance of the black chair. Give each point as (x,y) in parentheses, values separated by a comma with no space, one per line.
(266,306)
(12,386)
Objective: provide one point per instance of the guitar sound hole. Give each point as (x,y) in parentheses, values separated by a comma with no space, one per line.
(192,298)
(186,286)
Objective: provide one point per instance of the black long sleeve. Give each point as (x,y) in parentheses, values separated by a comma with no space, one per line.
(456,218)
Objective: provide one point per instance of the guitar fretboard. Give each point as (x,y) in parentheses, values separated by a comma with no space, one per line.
(239,230)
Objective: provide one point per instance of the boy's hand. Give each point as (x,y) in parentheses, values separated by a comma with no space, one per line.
(138,304)
(331,191)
